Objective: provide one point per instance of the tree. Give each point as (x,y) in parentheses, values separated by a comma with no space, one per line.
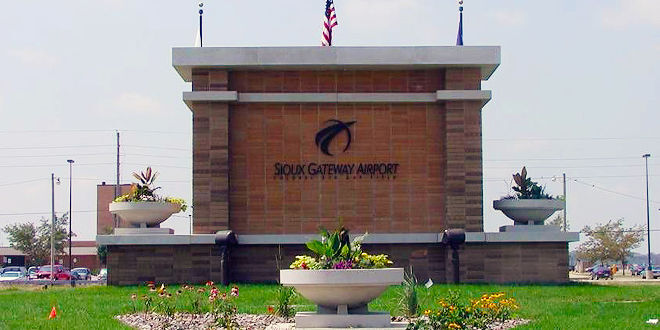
(559,222)
(102,250)
(610,241)
(34,241)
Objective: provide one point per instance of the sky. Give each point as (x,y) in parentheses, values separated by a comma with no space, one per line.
(577,93)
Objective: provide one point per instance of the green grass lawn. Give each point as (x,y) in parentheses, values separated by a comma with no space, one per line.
(578,306)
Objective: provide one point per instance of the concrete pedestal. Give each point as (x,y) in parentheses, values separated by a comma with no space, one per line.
(143,231)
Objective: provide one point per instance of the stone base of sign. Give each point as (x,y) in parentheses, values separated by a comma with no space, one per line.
(493,258)
(313,320)
(292,326)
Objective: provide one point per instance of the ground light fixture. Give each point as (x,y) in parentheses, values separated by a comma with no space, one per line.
(648,217)
(73,281)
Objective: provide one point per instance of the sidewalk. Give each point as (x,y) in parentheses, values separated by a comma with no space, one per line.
(618,279)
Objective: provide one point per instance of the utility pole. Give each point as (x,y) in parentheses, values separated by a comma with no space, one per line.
(70,161)
(649,272)
(117,191)
(52,226)
(565,201)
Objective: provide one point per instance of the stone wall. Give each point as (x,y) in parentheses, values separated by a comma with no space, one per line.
(137,264)
(479,263)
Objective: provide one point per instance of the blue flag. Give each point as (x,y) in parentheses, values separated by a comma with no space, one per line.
(459,38)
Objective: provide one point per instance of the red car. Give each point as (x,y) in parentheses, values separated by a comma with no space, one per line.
(59,272)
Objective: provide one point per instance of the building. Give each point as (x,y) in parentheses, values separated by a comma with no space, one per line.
(288,139)
(105,194)
(84,255)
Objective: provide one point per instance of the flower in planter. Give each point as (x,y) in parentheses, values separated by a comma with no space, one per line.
(336,251)
(143,191)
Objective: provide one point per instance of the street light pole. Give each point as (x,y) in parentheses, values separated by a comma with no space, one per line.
(70,161)
(649,272)
(52,225)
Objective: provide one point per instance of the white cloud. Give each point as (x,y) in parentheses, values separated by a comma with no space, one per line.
(33,57)
(136,103)
(510,17)
(631,12)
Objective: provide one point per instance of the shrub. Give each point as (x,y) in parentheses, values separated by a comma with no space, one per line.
(408,300)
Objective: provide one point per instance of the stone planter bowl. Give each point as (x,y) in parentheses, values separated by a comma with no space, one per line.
(528,211)
(330,288)
(144,214)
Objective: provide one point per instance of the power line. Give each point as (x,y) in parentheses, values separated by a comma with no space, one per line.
(573,167)
(557,159)
(574,139)
(22,182)
(612,191)
(54,165)
(155,147)
(90,131)
(57,147)
(41,213)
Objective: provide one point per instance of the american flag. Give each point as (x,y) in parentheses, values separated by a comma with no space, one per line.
(329,22)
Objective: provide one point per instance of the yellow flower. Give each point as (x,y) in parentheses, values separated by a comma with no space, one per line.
(427,312)
(453,326)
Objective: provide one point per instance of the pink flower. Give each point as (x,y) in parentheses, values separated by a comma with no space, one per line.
(234,291)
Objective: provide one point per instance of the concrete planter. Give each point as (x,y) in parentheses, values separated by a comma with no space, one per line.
(144,214)
(342,295)
(528,211)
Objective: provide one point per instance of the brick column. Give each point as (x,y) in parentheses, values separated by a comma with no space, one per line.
(210,156)
(464,188)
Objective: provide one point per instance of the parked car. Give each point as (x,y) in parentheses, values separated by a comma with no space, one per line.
(11,276)
(59,272)
(14,269)
(103,274)
(81,274)
(636,270)
(601,272)
(32,272)
(655,270)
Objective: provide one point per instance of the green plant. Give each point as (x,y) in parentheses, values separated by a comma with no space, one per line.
(526,188)
(143,191)
(336,251)
(408,300)
(284,296)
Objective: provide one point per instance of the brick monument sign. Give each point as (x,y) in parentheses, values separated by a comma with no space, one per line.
(386,140)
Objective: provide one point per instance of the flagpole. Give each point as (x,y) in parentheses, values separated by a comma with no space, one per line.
(459,38)
(201,40)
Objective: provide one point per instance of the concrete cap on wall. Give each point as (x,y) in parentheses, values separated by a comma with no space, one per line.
(334,58)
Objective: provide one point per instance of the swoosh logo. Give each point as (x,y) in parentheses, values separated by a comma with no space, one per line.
(325,136)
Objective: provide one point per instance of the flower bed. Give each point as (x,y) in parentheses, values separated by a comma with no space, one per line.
(490,311)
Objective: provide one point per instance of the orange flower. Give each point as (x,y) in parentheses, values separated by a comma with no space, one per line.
(270,310)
